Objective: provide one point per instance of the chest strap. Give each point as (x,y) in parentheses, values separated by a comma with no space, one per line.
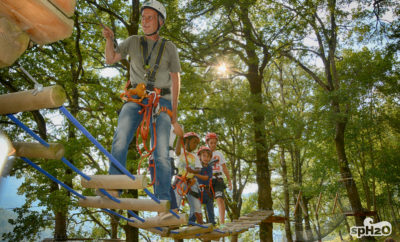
(151,72)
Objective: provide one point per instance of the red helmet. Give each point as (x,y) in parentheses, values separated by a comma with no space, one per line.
(191,134)
(204,148)
(211,136)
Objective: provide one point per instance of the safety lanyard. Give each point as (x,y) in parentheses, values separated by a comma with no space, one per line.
(147,59)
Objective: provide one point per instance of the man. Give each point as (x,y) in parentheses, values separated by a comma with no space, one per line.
(157,67)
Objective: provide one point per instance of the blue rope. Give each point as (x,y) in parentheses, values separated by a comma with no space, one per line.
(136,216)
(109,195)
(43,142)
(69,164)
(151,195)
(117,214)
(95,142)
(28,130)
(52,177)
(175,214)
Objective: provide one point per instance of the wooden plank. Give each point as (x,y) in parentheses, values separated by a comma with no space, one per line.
(49,97)
(37,150)
(125,204)
(159,222)
(190,232)
(275,219)
(115,182)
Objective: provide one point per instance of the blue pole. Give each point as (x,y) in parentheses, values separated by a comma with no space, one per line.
(52,177)
(95,142)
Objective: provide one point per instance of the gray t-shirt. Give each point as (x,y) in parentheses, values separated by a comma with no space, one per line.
(169,61)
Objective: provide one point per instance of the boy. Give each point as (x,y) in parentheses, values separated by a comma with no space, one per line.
(188,184)
(204,179)
(218,182)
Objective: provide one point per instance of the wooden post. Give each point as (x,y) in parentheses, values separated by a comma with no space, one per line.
(49,97)
(111,182)
(37,150)
(125,204)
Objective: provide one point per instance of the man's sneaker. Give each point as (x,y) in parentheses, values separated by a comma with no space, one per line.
(113,193)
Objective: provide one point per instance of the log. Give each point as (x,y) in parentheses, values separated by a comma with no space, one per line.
(158,222)
(40,19)
(190,232)
(49,97)
(67,7)
(125,204)
(37,150)
(213,235)
(112,182)
(13,42)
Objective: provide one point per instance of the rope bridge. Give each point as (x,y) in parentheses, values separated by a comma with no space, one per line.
(54,97)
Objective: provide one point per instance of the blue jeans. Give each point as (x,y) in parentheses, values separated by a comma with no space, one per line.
(128,121)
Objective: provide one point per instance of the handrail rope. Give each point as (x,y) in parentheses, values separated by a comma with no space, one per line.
(52,177)
(102,149)
(109,195)
(19,123)
(43,142)
(118,215)
(136,216)
(95,142)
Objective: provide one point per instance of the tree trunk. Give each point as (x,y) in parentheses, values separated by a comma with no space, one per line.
(286,196)
(345,171)
(131,233)
(307,219)
(263,176)
(60,229)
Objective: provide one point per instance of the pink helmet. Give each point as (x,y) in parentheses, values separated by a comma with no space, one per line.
(191,134)
(204,148)
(211,136)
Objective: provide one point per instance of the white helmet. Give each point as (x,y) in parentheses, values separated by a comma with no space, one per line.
(156,5)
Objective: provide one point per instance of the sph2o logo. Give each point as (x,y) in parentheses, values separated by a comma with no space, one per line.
(369,229)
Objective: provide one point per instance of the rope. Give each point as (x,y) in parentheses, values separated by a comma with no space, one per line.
(43,142)
(95,142)
(52,177)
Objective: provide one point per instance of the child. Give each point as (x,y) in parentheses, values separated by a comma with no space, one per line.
(181,185)
(204,179)
(218,182)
